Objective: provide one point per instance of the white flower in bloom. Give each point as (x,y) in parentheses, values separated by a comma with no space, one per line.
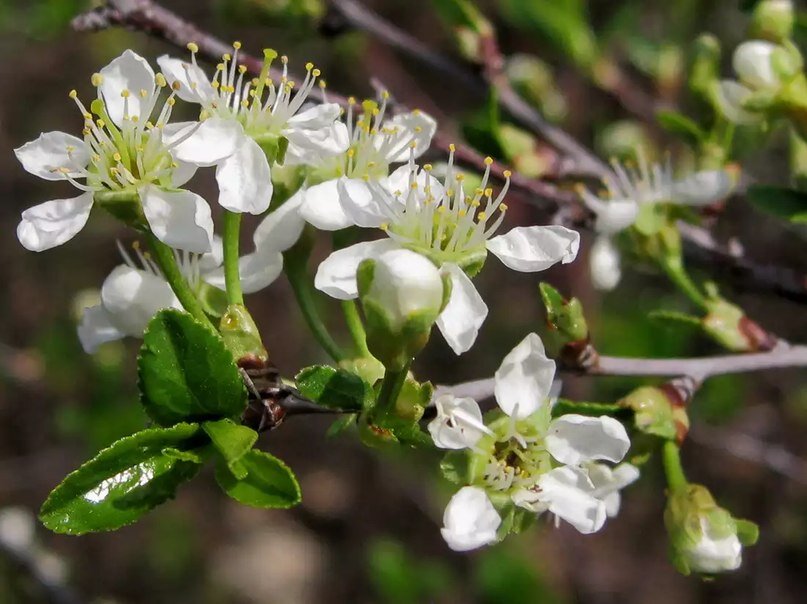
(375,143)
(134,291)
(243,118)
(126,153)
(631,189)
(405,283)
(542,464)
(453,230)
(458,424)
(470,520)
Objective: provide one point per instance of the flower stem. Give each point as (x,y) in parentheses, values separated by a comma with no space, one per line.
(355,327)
(388,395)
(232,276)
(594,409)
(671,455)
(164,256)
(294,265)
(678,275)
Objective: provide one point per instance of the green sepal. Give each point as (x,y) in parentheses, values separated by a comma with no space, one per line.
(124,481)
(334,388)
(240,334)
(212,299)
(267,482)
(232,441)
(185,373)
(654,413)
(747,531)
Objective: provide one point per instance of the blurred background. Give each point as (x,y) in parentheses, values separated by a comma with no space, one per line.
(367,530)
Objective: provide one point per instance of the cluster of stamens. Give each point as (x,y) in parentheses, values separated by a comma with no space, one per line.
(188,262)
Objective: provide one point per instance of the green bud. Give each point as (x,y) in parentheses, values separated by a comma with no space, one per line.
(567,329)
(704,75)
(402,294)
(534,80)
(522,151)
(658,411)
(469,25)
(728,325)
(704,538)
(413,399)
(240,333)
(772,20)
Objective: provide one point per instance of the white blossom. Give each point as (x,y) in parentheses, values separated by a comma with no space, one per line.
(715,551)
(452,229)
(470,520)
(125,154)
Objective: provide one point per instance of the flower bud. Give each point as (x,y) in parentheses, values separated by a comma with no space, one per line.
(704,537)
(728,325)
(605,264)
(772,20)
(752,61)
(567,329)
(658,411)
(402,294)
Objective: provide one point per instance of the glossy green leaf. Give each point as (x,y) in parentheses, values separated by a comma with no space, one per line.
(268,482)
(186,373)
(334,388)
(124,481)
(779,201)
(232,441)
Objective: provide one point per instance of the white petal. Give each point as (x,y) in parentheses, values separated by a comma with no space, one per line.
(244,179)
(129,72)
(45,155)
(315,117)
(257,270)
(182,173)
(705,187)
(523,382)
(465,312)
(535,248)
(398,180)
(205,144)
(567,493)
(321,207)
(458,424)
(752,63)
(317,146)
(96,328)
(730,97)
(336,275)
(132,297)
(613,215)
(361,203)
(414,126)
(573,439)
(282,227)
(54,222)
(604,262)
(470,520)
(608,482)
(180,219)
(194,87)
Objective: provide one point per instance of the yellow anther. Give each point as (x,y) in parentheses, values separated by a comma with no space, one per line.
(418,129)
(226,57)
(488,161)
(86,132)
(116,156)
(220,67)
(460,177)
(309,66)
(72,94)
(481,217)
(488,192)
(237,45)
(136,245)
(502,207)
(462,213)
(143,93)
(416,112)
(160,79)
(215,85)
(125,93)
(427,167)
(193,47)
(507,173)
(351,152)
(351,100)
(413,145)
(413,186)
(322,84)
(176,85)
(170,101)
(385,94)
(97,79)
(101,123)
(87,115)
(384,226)
(316,73)
(452,147)
(242,69)
(284,59)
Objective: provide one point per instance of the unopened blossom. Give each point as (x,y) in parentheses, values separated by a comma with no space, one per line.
(470,520)
(453,229)
(376,142)
(631,190)
(135,290)
(127,155)
(540,464)
(246,119)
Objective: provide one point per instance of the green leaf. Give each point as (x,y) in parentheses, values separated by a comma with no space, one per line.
(454,467)
(124,481)
(674,317)
(681,125)
(334,388)
(232,441)
(341,424)
(186,373)
(779,201)
(268,482)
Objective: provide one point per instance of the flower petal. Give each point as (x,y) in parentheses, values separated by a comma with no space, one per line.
(413,127)
(315,117)
(567,493)
(604,262)
(535,248)
(362,203)
(54,222)
(458,424)
(705,187)
(129,72)
(465,312)
(282,227)
(244,179)
(470,520)
(182,174)
(96,328)
(315,147)
(194,87)
(132,297)
(53,150)
(321,207)
(730,96)
(523,382)
(573,439)
(336,275)
(204,144)
(180,219)
(257,270)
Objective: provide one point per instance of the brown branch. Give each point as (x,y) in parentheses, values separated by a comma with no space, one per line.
(698,369)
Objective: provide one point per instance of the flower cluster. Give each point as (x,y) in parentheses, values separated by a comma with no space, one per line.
(522,461)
